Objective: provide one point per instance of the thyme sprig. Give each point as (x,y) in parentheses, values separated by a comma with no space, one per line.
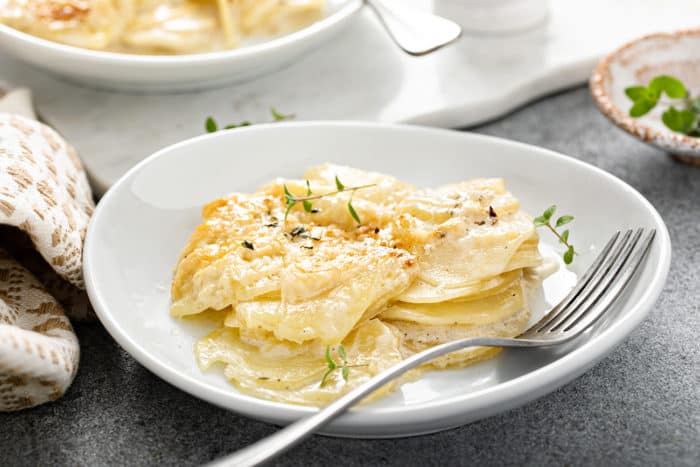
(212,126)
(341,365)
(545,221)
(292,200)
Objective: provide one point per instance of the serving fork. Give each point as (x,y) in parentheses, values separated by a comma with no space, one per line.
(592,297)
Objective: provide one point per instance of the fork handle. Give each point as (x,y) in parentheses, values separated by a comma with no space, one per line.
(284,439)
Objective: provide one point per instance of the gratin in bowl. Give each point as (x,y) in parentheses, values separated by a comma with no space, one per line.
(161,73)
(636,63)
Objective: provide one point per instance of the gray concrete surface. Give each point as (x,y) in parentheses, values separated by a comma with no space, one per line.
(640,406)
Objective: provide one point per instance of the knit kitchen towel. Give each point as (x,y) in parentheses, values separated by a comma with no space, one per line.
(45,206)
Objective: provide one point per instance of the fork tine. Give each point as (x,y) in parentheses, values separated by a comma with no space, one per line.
(598,285)
(626,270)
(564,307)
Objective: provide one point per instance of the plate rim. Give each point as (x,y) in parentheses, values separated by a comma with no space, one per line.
(485,401)
(344,12)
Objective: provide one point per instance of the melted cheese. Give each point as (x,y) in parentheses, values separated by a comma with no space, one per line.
(292,372)
(331,315)
(424,267)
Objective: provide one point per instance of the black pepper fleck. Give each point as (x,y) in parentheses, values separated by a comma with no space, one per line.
(298,230)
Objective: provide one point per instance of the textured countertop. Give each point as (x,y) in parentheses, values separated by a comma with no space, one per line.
(639,406)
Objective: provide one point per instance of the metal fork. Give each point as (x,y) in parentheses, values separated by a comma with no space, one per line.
(590,299)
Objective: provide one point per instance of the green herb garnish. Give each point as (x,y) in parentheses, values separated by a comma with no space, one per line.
(341,365)
(279,116)
(308,207)
(212,126)
(248,245)
(231,126)
(291,200)
(545,221)
(680,116)
(353,213)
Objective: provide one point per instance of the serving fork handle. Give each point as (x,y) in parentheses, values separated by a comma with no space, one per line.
(288,437)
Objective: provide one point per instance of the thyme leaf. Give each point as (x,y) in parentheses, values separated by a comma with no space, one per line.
(308,206)
(353,213)
(291,200)
(279,116)
(341,365)
(545,221)
(212,126)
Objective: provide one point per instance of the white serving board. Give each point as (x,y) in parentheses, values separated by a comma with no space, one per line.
(360,75)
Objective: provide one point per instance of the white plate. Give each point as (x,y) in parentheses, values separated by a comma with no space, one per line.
(142,223)
(178,72)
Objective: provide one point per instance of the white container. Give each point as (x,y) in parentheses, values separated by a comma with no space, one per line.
(494,16)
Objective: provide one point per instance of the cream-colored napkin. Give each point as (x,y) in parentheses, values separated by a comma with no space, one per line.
(45,206)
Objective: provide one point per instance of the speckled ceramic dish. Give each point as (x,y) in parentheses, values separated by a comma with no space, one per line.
(637,62)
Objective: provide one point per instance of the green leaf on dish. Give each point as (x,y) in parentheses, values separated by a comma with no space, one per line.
(353,213)
(569,255)
(563,220)
(540,221)
(308,207)
(637,92)
(678,120)
(329,359)
(642,107)
(673,87)
(341,352)
(210,125)
(549,212)
(564,236)
(325,376)
(279,116)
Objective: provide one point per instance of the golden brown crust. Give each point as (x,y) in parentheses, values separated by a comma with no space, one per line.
(59,10)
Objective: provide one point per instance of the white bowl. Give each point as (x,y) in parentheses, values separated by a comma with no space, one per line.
(636,63)
(179,72)
(145,219)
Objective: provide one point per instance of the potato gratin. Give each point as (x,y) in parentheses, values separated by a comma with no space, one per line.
(157,26)
(363,277)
